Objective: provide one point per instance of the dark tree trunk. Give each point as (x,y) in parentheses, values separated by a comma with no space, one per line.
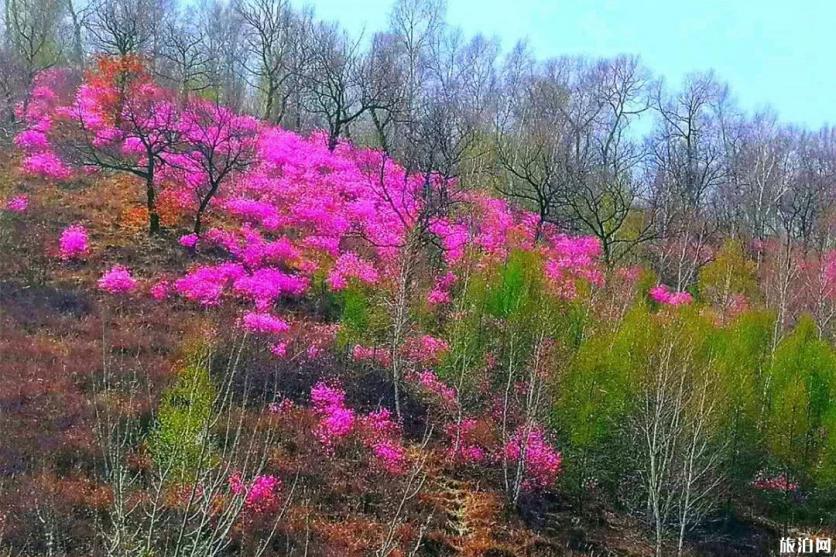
(151,204)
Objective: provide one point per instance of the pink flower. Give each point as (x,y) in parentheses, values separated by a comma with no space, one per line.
(779,482)
(426,349)
(73,243)
(390,455)
(117,280)
(463,445)
(430,381)
(279,350)
(46,164)
(336,421)
(160,290)
(205,285)
(264,323)
(379,356)
(349,266)
(541,461)
(663,295)
(380,422)
(17,204)
(324,396)
(260,496)
(188,241)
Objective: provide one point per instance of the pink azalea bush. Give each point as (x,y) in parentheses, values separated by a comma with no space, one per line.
(160,290)
(463,446)
(117,280)
(260,496)
(336,421)
(374,354)
(73,243)
(426,349)
(17,204)
(662,294)
(430,382)
(540,459)
(264,323)
(778,483)
(188,241)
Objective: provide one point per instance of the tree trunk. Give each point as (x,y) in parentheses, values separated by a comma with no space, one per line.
(151,203)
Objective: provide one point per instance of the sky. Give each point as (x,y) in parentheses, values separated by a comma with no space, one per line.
(772,53)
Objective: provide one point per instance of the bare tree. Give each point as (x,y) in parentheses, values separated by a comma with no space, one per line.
(123,27)
(184,60)
(335,86)
(275,40)
(679,453)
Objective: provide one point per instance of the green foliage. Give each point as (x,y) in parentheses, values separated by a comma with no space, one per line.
(595,393)
(181,442)
(730,273)
(741,358)
(362,317)
(800,390)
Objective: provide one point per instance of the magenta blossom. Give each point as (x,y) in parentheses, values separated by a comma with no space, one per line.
(160,290)
(188,241)
(264,323)
(541,461)
(17,204)
(117,280)
(73,243)
(662,294)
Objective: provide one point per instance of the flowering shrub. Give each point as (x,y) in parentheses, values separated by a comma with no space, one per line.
(73,243)
(463,445)
(541,461)
(349,266)
(390,455)
(440,293)
(377,355)
(336,421)
(117,280)
(426,349)
(662,294)
(17,204)
(160,290)
(264,323)
(779,482)
(260,496)
(188,241)
(428,380)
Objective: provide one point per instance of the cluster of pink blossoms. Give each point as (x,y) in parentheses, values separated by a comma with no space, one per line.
(463,445)
(374,354)
(428,380)
(336,420)
(662,294)
(160,290)
(261,495)
(118,280)
(350,266)
(382,439)
(541,460)
(779,482)
(426,349)
(264,323)
(378,431)
(440,293)
(73,243)
(188,241)
(17,204)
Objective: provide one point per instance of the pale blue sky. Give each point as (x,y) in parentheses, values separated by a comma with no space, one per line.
(772,52)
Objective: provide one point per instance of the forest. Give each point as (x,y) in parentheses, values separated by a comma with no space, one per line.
(268,287)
